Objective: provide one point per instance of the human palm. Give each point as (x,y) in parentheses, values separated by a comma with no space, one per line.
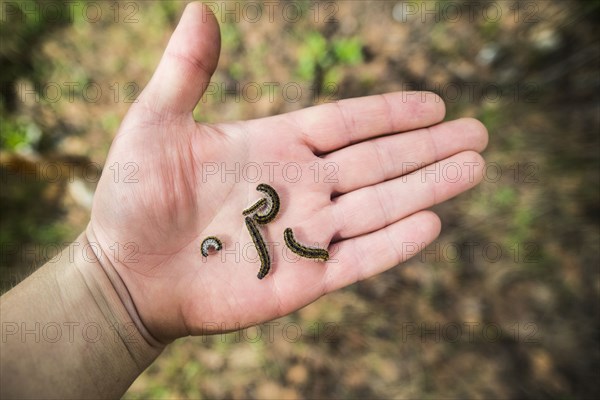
(348,173)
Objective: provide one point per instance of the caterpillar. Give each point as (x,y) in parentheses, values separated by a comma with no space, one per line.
(261,247)
(272,208)
(210,242)
(301,250)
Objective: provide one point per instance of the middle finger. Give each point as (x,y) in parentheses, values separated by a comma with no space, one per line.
(378,160)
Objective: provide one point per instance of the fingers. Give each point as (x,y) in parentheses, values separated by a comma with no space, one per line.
(374,207)
(364,256)
(389,157)
(186,65)
(332,126)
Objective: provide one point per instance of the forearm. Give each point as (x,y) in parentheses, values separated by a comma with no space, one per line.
(66,332)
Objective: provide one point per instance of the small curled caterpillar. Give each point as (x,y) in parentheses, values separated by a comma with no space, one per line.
(255,207)
(211,242)
(301,250)
(261,247)
(273,205)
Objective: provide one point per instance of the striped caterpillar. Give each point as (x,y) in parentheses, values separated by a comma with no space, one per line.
(261,247)
(211,242)
(262,212)
(301,250)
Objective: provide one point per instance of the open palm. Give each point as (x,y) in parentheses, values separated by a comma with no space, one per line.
(350,176)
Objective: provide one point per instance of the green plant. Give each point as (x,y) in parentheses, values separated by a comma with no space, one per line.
(320,60)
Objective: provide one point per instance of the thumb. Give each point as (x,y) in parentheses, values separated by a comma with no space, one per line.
(187,64)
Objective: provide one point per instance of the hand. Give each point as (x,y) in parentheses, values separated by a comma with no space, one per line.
(372,218)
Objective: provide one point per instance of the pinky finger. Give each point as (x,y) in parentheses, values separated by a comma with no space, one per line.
(361,257)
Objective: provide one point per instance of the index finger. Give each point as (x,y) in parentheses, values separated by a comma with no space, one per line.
(332,126)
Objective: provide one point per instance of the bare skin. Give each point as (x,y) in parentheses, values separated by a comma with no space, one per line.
(372,216)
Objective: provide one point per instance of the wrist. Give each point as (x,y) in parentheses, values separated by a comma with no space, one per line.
(104,277)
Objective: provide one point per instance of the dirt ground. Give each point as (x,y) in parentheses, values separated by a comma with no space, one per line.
(505,304)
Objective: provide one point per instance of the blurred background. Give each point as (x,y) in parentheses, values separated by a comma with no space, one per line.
(505,304)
